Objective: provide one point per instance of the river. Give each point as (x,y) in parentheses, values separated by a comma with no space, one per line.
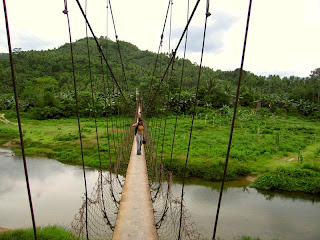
(57,191)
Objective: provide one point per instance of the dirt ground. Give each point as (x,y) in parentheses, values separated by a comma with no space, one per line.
(251,178)
(3,119)
(3,230)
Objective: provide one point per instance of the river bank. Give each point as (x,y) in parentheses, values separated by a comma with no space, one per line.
(57,191)
(252,154)
(43,233)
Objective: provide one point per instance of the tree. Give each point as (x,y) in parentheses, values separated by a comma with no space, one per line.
(315,78)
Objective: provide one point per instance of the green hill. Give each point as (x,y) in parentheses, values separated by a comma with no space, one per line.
(45,80)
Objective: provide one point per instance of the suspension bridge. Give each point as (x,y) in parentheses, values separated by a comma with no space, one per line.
(133,199)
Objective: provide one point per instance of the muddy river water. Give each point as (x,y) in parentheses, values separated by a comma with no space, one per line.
(57,191)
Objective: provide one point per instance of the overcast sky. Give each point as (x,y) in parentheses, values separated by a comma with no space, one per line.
(284,35)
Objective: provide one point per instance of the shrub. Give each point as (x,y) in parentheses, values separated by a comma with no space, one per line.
(67,137)
(290,179)
(46,113)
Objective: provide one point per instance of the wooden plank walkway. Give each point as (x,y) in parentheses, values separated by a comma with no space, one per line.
(135,217)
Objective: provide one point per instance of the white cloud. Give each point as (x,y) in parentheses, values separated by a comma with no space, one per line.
(283,35)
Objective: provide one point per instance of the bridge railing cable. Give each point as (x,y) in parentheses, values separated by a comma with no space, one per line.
(97,215)
(118,46)
(160,45)
(110,92)
(94,111)
(193,113)
(180,89)
(103,55)
(14,83)
(108,136)
(175,51)
(166,206)
(78,115)
(233,121)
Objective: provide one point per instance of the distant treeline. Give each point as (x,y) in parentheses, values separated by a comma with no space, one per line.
(45,83)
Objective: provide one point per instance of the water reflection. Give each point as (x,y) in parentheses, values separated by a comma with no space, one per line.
(246,211)
(57,190)
(292,196)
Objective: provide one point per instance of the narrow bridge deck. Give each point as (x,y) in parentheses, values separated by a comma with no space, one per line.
(135,218)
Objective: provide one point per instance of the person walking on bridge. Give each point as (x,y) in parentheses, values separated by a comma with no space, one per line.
(139,128)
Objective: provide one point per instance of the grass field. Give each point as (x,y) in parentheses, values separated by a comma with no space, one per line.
(262,142)
(59,233)
(59,139)
(43,233)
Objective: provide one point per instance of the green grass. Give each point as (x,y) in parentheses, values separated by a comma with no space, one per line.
(303,179)
(261,143)
(43,233)
(59,233)
(59,139)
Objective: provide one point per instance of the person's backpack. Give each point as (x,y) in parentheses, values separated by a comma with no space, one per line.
(136,130)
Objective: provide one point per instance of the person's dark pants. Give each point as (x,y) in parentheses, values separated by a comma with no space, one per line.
(139,138)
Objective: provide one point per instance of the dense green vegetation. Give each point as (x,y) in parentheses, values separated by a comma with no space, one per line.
(305,179)
(43,233)
(46,88)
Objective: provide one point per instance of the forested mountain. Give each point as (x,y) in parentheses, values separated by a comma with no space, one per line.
(45,81)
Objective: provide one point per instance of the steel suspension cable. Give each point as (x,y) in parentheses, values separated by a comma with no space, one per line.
(175,127)
(116,119)
(14,83)
(107,125)
(118,45)
(180,89)
(155,136)
(166,113)
(164,98)
(162,145)
(112,127)
(169,88)
(78,115)
(233,120)
(94,110)
(109,97)
(193,114)
(163,136)
(160,126)
(177,47)
(105,98)
(101,52)
(160,45)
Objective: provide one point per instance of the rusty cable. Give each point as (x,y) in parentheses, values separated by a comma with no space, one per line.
(193,113)
(233,121)
(78,115)
(19,121)
(160,45)
(176,49)
(104,57)
(94,109)
(118,45)
(180,89)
